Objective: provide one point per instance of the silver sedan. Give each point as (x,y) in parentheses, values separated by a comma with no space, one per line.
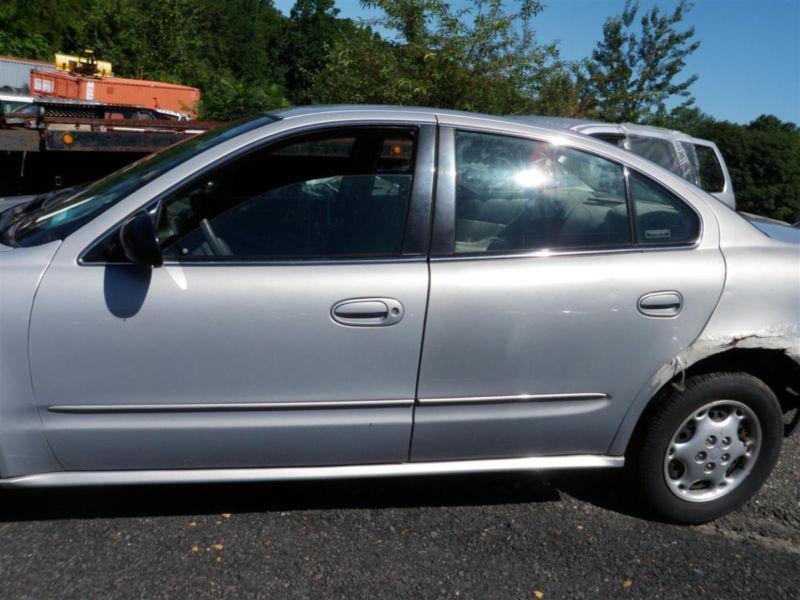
(373,291)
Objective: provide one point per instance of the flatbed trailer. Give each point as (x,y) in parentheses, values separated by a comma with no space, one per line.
(41,153)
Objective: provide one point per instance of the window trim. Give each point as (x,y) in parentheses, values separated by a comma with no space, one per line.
(416,231)
(443,241)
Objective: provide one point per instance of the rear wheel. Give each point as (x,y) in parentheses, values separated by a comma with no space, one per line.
(706,450)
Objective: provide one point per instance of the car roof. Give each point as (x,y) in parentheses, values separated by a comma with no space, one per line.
(553,126)
(544,122)
(301,111)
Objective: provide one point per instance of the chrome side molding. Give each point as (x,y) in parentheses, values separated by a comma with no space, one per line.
(517,398)
(225,406)
(154,477)
(258,406)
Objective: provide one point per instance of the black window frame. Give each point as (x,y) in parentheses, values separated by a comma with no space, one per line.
(416,231)
(443,233)
(615,139)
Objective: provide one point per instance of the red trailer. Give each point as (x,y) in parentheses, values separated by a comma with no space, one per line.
(55,83)
(117,90)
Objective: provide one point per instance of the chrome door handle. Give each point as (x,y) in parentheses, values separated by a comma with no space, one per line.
(660,304)
(367,312)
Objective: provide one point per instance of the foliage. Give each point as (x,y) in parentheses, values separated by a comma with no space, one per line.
(33,29)
(229,99)
(312,30)
(764,166)
(632,75)
(481,58)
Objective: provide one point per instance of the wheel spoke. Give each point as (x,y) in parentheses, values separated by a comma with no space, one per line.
(704,427)
(738,449)
(696,471)
(685,452)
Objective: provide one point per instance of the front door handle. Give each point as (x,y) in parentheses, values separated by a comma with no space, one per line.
(367,312)
(660,304)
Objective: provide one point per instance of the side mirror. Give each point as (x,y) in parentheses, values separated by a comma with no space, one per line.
(139,240)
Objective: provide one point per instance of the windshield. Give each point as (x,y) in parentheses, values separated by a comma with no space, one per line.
(54,216)
(17,106)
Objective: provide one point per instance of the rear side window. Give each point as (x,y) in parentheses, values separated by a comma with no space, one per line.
(661,217)
(515,194)
(711,177)
(690,169)
(676,156)
(660,151)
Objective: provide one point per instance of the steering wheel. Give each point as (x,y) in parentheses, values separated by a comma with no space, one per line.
(218,247)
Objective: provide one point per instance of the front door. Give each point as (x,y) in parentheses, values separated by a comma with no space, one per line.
(283,330)
(560,285)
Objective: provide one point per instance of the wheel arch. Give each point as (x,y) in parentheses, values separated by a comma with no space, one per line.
(776,363)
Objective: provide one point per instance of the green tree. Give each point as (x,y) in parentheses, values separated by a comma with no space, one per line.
(230,99)
(38,28)
(632,74)
(482,57)
(312,30)
(16,36)
(772,124)
(362,69)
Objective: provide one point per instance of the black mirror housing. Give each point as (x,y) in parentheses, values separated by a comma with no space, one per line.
(139,240)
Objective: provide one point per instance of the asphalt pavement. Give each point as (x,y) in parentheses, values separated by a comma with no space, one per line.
(572,535)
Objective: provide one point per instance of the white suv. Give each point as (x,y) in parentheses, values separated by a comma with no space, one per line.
(696,160)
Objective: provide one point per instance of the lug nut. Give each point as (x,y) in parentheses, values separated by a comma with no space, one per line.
(711,440)
(709,467)
(726,457)
(701,456)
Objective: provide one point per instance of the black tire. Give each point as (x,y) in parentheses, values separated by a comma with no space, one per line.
(646,454)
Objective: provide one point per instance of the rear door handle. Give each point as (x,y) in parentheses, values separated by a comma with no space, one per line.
(367,312)
(661,304)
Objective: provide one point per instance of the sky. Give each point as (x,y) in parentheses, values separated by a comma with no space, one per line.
(748,61)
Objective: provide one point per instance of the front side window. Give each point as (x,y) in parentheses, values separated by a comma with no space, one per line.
(515,194)
(331,195)
(661,217)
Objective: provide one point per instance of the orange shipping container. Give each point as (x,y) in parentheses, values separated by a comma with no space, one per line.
(117,90)
(54,83)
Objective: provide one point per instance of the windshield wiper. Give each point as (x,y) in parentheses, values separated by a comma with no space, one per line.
(21,215)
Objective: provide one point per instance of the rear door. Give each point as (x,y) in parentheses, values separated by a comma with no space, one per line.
(561,281)
(284,329)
